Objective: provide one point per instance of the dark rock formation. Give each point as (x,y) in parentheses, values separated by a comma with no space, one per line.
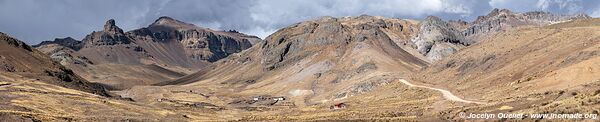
(111,35)
(66,42)
(200,43)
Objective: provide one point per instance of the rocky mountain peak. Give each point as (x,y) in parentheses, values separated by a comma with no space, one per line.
(111,27)
(433,20)
(111,35)
(164,20)
(171,23)
(69,39)
(66,42)
(497,11)
(494,14)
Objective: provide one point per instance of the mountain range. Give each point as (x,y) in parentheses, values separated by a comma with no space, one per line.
(164,50)
(326,69)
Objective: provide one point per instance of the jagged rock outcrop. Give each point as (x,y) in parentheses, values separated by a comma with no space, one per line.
(66,42)
(112,45)
(21,59)
(111,35)
(500,19)
(437,39)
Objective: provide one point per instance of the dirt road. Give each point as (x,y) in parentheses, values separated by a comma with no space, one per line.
(447,94)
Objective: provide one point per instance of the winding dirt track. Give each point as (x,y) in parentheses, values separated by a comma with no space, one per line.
(447,94)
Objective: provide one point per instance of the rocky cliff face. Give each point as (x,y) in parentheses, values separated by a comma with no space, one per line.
(111,35)
(437,39)
(200,43)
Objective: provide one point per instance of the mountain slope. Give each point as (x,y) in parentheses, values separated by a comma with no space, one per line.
(522,68)
(533,70)
(19,58)
(34,88)
(312,62)
(547,69)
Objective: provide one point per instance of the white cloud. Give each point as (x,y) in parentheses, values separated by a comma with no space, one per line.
(460,9)
(568,6)
(556,6)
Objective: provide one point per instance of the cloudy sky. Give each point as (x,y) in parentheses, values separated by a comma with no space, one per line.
(37,20)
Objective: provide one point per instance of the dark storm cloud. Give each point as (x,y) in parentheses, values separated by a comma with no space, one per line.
(37,20)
